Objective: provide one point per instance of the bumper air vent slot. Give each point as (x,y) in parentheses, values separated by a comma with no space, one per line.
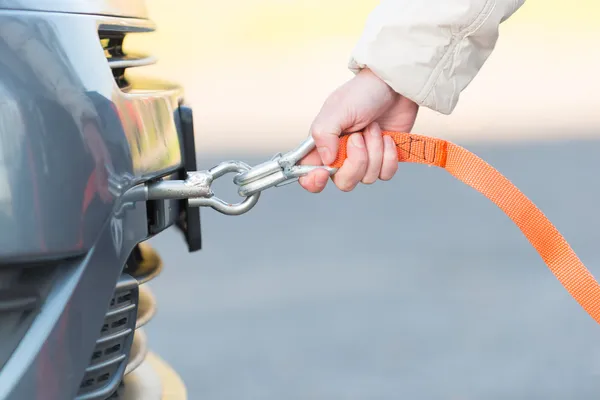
(113,346)
(112,38)
(122,345)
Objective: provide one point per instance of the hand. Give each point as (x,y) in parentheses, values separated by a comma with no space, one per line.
(363,103)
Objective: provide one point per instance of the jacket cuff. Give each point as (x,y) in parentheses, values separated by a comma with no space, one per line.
(430,57)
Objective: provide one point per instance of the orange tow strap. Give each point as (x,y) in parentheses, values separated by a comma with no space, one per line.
(472,170)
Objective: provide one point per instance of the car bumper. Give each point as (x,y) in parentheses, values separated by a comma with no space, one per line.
(76,142)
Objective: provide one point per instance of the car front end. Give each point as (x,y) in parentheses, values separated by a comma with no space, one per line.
(77,135)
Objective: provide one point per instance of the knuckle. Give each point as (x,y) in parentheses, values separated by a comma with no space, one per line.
(374,135)
(356,164)
(359,157)
(361,164)
(318,131)
(376,159)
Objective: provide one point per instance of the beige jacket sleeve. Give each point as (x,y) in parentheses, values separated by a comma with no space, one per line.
(430,50)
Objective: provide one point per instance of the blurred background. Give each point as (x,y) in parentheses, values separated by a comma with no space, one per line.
(418,287)
(269,64)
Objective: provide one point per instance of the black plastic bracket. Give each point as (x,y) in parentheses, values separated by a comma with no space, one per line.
(189,218)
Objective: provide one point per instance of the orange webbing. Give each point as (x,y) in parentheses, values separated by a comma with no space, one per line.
(472,170)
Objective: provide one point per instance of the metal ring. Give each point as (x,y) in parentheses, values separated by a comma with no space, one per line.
(222,206)
(257,172)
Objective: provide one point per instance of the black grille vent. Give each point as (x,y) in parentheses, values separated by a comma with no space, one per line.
(109,358)
(144,264)
(111,39)
(122,345)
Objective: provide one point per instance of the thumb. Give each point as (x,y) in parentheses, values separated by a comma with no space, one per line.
(326,129)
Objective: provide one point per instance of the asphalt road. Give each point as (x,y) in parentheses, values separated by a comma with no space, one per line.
(416,288)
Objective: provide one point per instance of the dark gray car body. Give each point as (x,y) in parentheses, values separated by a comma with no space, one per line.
(75,136)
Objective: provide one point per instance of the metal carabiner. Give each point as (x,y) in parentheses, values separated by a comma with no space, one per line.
(196,188)
(279,171)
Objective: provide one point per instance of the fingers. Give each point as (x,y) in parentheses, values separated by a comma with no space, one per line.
(355,166)
(371,156)
(347,177)
(326,130)
(316,180)
(350,108)
(333,118)
(374,143)
(389,165)
(327,144)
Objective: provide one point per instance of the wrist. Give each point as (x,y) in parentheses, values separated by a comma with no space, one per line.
(378,83)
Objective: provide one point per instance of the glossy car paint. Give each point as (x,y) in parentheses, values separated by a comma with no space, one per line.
(71,142)
(71,145)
